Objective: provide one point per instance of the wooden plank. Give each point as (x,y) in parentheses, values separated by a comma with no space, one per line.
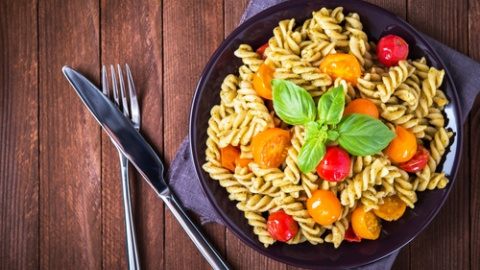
(192,31)
(450,228)
(70,190)
(472,161)
(19,135)
(131,33)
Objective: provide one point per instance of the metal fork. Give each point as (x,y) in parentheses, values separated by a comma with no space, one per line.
(134,115)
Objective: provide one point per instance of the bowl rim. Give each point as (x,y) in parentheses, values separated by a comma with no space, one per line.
(453,96)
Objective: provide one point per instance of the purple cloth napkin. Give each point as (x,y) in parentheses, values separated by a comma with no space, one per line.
(182,177)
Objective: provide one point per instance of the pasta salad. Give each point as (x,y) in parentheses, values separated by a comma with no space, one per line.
(323,135)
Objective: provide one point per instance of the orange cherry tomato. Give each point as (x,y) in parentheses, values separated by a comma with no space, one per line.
(269,147)
(261,81)
(342,65)
(324,207)
(365,224)
(363,106)
(230,157)
(392,208)
(403,147)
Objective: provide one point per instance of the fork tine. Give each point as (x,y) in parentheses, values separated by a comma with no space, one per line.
(122,92)
(114,86)
(135,109)
(105,89)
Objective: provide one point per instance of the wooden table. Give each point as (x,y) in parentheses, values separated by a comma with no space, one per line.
(60,193)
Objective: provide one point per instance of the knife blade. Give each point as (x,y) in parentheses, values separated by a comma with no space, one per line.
(139,152)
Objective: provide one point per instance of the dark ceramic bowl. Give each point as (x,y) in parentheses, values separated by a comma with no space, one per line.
(256,31)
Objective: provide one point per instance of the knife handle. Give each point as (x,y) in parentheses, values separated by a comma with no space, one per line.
(207,250)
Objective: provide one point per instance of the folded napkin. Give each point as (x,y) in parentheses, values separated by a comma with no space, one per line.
(182,177)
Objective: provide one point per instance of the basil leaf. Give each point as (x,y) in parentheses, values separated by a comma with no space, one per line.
(332,135)
(362,135)
(331,106)
(292,103)
(311,154)
(315,130)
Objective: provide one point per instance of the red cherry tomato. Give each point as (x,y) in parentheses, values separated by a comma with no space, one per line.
(417,162)
(335,165)
(391,49)
(281,226)
(351,236)
(261,50)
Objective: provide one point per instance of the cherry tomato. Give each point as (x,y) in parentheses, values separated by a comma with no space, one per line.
(341,65)
(261,50)
(261,81)
(403,147)
(324,207)
(269,147)
(417,162)
(351,236)
(335,165)
(363,106)
(230,157)
(281,226)
(365,224)
(391,49)
(392,208)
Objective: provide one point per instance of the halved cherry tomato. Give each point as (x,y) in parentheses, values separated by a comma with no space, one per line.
(363,106)
(324,207)
(391,49)
(335,165)
(417,162)
(392,208)
(269,147)
(403,147)
(341,65)
(365,224)
(261,81)
(281,226)
(230,157)
(261,50)
(351,236)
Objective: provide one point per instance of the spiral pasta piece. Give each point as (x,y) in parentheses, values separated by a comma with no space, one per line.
(249,57)
(396,76)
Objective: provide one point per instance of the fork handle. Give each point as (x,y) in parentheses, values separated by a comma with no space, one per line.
(207,250)
(132,252)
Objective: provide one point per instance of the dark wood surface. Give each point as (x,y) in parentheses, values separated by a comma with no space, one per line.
(60,193)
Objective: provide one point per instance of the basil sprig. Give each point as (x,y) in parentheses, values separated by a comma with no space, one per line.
(358,134)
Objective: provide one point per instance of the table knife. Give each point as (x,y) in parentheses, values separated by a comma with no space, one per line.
(131,143)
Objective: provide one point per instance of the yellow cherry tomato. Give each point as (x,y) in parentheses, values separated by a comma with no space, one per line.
(324,207)
(269,147)
(392,208)
(261,81)
(341,65)
(403,147)
(365,224)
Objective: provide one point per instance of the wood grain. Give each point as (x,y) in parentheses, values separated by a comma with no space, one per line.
(61,202)
(70,198)
(190,37)
(19,172)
